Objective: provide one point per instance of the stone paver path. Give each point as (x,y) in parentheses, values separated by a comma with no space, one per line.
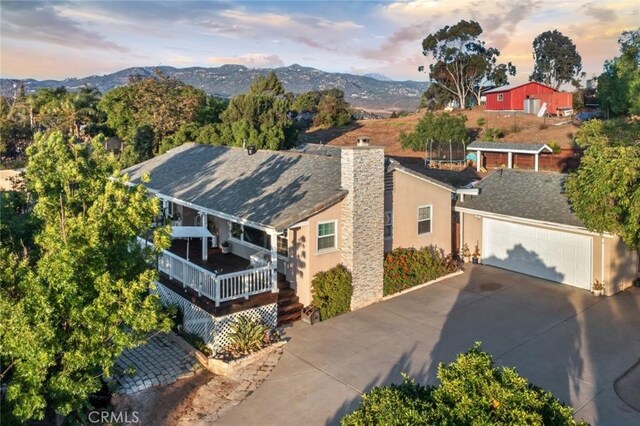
(164,359)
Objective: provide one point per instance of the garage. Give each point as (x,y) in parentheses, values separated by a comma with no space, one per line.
(550,254)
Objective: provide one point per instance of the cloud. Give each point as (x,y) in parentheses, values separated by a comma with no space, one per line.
(257,60)
(601,14)
(395,42)
(39,21)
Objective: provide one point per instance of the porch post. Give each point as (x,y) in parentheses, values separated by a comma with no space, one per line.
(478,160)
(510,160)
(205,252)
(536,163)
(274,261)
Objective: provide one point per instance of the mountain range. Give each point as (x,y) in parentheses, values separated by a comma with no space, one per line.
(372,91)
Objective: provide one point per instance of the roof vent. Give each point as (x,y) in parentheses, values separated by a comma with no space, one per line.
(362,141)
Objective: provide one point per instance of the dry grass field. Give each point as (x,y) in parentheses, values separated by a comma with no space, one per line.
(386,132)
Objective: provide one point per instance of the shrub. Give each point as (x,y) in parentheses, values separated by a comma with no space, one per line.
(554,147)
(481,121)
(493,134)
(247,335)
(471,391)
(331,292)
(407,267)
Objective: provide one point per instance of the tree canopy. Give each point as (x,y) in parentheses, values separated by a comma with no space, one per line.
(472,391)
(464,64)
(75,299)
(556,59)
(259,117)
(437,127)
(618,89)
(605,190)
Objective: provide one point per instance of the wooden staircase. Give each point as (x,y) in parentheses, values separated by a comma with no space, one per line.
(289,307)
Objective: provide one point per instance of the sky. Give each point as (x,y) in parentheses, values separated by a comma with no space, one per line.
(60,39)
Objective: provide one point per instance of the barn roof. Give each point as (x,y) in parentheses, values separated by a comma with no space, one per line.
(509,87)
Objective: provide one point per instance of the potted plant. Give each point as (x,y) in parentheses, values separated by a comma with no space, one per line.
(476,255)
(226,247)
(598,288)
(465,253)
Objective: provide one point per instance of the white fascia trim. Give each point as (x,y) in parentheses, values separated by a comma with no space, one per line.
(468,191)
(213,212)
(513,151)
(416,175)
(576,229)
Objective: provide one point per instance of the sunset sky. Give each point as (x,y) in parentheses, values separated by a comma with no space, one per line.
(41,39)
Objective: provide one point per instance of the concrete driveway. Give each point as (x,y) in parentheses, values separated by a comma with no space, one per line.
(561,338)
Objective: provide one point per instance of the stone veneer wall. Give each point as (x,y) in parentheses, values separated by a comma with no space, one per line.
(213,330)
(362,221)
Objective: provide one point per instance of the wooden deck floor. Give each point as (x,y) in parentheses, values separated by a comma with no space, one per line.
(217,262)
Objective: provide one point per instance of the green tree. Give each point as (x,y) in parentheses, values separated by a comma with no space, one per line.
(435,97)
(259,117)
(437,127)
(556,59)
(306,102)
(471,392)
(605,190)
(619,85)
(71,305)
(160,102)
(464,64)
(333,110)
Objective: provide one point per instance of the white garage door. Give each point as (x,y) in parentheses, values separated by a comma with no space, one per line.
(552,255)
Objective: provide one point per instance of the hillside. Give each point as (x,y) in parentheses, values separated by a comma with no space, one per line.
(229,80)
(386,132)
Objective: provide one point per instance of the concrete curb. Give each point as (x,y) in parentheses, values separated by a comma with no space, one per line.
(418,287)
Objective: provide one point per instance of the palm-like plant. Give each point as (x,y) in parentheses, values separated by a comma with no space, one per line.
(247,335)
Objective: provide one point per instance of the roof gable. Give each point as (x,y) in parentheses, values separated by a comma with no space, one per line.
(510,87)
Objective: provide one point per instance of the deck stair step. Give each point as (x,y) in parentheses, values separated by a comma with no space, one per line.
(289,306)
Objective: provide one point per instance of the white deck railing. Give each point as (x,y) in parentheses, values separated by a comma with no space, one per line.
(219,288)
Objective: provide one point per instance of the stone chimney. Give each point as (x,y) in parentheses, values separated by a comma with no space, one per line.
(362,221)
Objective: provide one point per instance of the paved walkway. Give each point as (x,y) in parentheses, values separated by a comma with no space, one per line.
(564,339)
(162,360)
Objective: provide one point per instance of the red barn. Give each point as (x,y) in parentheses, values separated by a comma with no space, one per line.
(512,97)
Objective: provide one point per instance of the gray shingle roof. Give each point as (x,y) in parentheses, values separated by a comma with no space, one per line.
(524,194)
(273,189)
(507,146)
(449,179)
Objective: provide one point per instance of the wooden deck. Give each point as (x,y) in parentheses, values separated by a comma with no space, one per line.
(217,262)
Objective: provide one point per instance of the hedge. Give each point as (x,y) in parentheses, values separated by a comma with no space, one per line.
(331,292)
(407,267)
(471,391)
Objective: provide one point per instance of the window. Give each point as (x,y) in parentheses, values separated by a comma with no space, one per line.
(283,244)
(500,97)
(424,220)
(256,237)
(326,235)
(388,225)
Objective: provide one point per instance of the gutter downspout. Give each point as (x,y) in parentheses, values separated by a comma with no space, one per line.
(461,230)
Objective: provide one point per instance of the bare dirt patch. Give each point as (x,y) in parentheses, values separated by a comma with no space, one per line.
(386,132)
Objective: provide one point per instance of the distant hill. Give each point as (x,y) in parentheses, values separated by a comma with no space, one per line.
(377,76)
(229,80)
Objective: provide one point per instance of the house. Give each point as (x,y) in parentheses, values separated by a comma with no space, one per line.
(495,154)
(285,216)
(290,215)
(512,97)
(522,221)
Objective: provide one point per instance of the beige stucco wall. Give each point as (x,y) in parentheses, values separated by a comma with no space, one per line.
(409,193)
(620,263)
